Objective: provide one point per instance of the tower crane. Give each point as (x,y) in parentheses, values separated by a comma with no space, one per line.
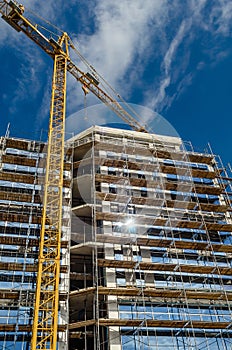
(45,319)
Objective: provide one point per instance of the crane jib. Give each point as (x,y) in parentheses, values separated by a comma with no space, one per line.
(12,13)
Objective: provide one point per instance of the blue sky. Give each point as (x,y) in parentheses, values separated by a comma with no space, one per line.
(174,57)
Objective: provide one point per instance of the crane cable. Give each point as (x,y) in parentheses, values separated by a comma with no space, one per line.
(104,83)
(85,107)
(45,21)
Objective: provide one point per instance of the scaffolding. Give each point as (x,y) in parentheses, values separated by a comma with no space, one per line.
(148,263)
(151,237)
(21,197)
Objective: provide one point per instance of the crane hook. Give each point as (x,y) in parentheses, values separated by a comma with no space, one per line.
(85,89)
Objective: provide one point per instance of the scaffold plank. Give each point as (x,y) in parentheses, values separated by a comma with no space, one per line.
(26,179)
(81,292)
(184,186)
(24,328)
(8,294)
(154,293)
(157,242)
(13,217)
(82,324)
(195,269)
(19,160)
(164,323)
(167,169)
(178,324)
(32,242)
(22,218)
(19,197)
(16,177)
(159,202)
(21,267)
(167,222)
(151,242)
(188,171)
(78,276)
(160,153)
(26,145)
(14,295)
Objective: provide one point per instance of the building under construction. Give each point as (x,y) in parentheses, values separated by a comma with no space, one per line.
(146,243)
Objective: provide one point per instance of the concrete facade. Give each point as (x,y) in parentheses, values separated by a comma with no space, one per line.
(154,219)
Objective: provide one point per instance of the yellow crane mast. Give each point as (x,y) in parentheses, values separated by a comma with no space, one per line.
(45,319)
(45,322)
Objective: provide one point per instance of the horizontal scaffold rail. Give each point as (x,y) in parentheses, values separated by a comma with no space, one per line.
(188,171)
(164,243)
(151,323)
(168,169)
(28,267)
(27,145)
(26,179)
(218,208)
(24,328)
(149,184)
(195,269)
(10,159)
(23,144)
(27,161)
(167,222)
(22,218)
(14,295)
(20,197)
(78,276)
(167,185)
(160,153)
(154,293)
(32,242)
(25,218)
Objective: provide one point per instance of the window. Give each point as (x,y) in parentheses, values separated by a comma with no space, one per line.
(137,257)
(118,256)
(140,282)
(114,208)
(99,223)
(121,281)
(112,189)
(132,229)
(98,186)
(111,171)
(117,227)
(143,192)
(111,155)
(141,175)
(130,209)
(173,196)
(98,169)
(124,156)
(126,173)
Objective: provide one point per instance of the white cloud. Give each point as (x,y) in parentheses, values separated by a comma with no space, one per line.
(128,35)
(159,99)
(124,30)
(9,35)
(221,17)
(214,19)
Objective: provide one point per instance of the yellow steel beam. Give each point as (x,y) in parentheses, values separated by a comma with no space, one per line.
(45,321)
